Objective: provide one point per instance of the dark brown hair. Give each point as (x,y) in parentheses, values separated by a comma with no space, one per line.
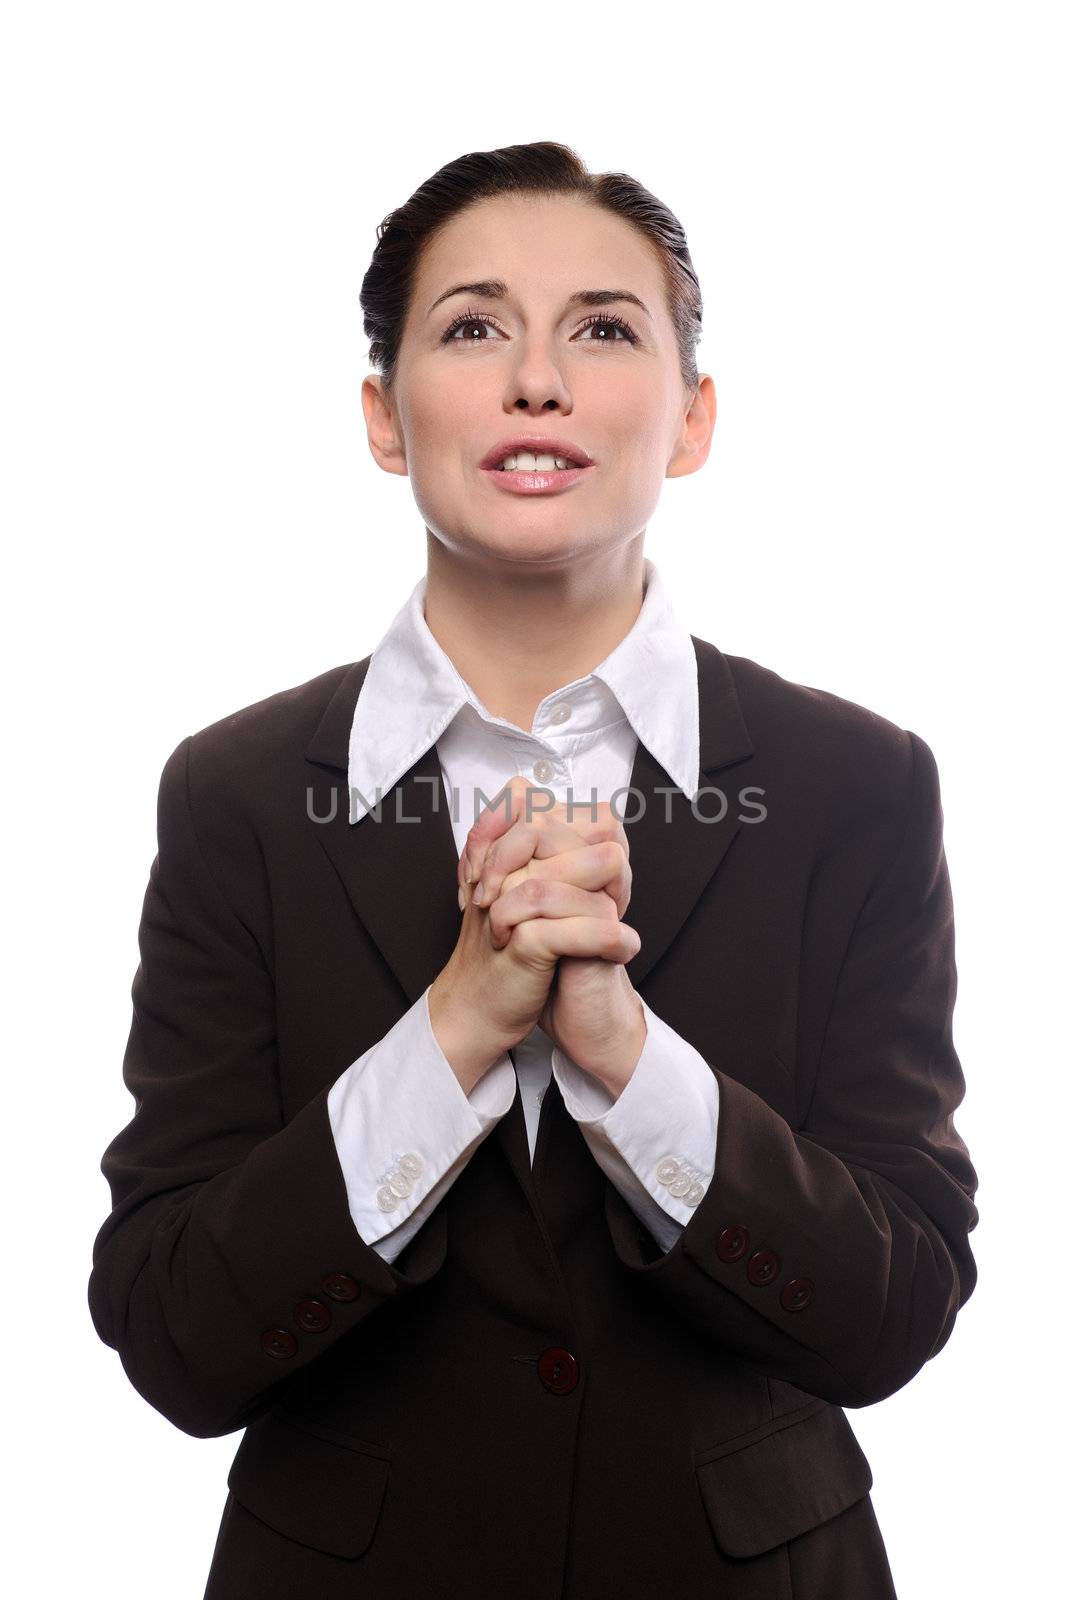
(542,168)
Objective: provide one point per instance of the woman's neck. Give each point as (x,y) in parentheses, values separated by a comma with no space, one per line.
(518,636)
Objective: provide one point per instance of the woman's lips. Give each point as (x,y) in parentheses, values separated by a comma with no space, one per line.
(534,482)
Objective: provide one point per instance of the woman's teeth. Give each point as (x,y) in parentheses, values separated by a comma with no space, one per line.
(525,461)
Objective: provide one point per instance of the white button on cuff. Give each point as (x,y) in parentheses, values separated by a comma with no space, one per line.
(400,1181)
(681,1184)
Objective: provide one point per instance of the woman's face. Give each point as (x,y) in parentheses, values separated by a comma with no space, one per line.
(532,361)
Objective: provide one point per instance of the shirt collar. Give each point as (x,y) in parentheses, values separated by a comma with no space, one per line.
(412,691)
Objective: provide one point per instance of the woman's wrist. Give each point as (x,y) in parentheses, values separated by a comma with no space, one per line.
(469,1047)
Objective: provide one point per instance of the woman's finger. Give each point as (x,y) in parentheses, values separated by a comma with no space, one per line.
(506,807)
(602,866)
(562,823)
(603,937)
(539,897)
(516,848)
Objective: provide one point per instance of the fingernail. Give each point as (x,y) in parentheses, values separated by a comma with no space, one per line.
(462,899)
(478,894)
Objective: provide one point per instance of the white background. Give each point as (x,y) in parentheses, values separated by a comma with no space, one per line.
(190,193)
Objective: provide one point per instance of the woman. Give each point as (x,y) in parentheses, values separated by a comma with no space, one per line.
(536,1183)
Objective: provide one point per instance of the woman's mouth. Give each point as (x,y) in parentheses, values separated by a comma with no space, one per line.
(528,473)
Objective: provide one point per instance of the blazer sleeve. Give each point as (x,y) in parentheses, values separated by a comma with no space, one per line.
(229,1260)
(836,1256)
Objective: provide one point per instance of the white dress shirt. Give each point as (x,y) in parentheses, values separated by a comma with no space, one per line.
(403,1125)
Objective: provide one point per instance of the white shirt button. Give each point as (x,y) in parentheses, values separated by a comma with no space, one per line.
(386,1199)
(561,712)
(667,1169)
(400,1183)
(694,1195)
(543,770)
(412,1164)
(681,1184)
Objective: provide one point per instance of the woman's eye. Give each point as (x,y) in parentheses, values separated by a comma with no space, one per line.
(466,322)
(612,325)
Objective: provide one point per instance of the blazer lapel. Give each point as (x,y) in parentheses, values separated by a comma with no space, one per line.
(676,846)
(407,860)
(401,871)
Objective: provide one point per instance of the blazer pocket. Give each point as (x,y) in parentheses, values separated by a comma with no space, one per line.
(315,1489)
(794,1474)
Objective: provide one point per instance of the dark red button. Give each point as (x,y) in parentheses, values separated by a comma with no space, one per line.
(558,1370)
(763,1266)
(312,1315)
(338,1286)
(732,1243)
(278,1342)
(797,1293)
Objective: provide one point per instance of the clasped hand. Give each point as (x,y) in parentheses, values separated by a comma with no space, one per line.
(521,866)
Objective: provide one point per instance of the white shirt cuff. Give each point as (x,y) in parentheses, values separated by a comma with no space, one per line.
(657,1141)
(404,1128)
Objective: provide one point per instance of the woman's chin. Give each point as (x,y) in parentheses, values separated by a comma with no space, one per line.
(521,545)
(543,546)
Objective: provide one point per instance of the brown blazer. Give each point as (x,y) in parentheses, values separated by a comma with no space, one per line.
(534,1400)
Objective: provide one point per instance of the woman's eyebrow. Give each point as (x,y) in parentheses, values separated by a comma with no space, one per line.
(496,289)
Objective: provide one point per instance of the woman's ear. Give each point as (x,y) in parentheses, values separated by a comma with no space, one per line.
(383,432)
(693,442)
